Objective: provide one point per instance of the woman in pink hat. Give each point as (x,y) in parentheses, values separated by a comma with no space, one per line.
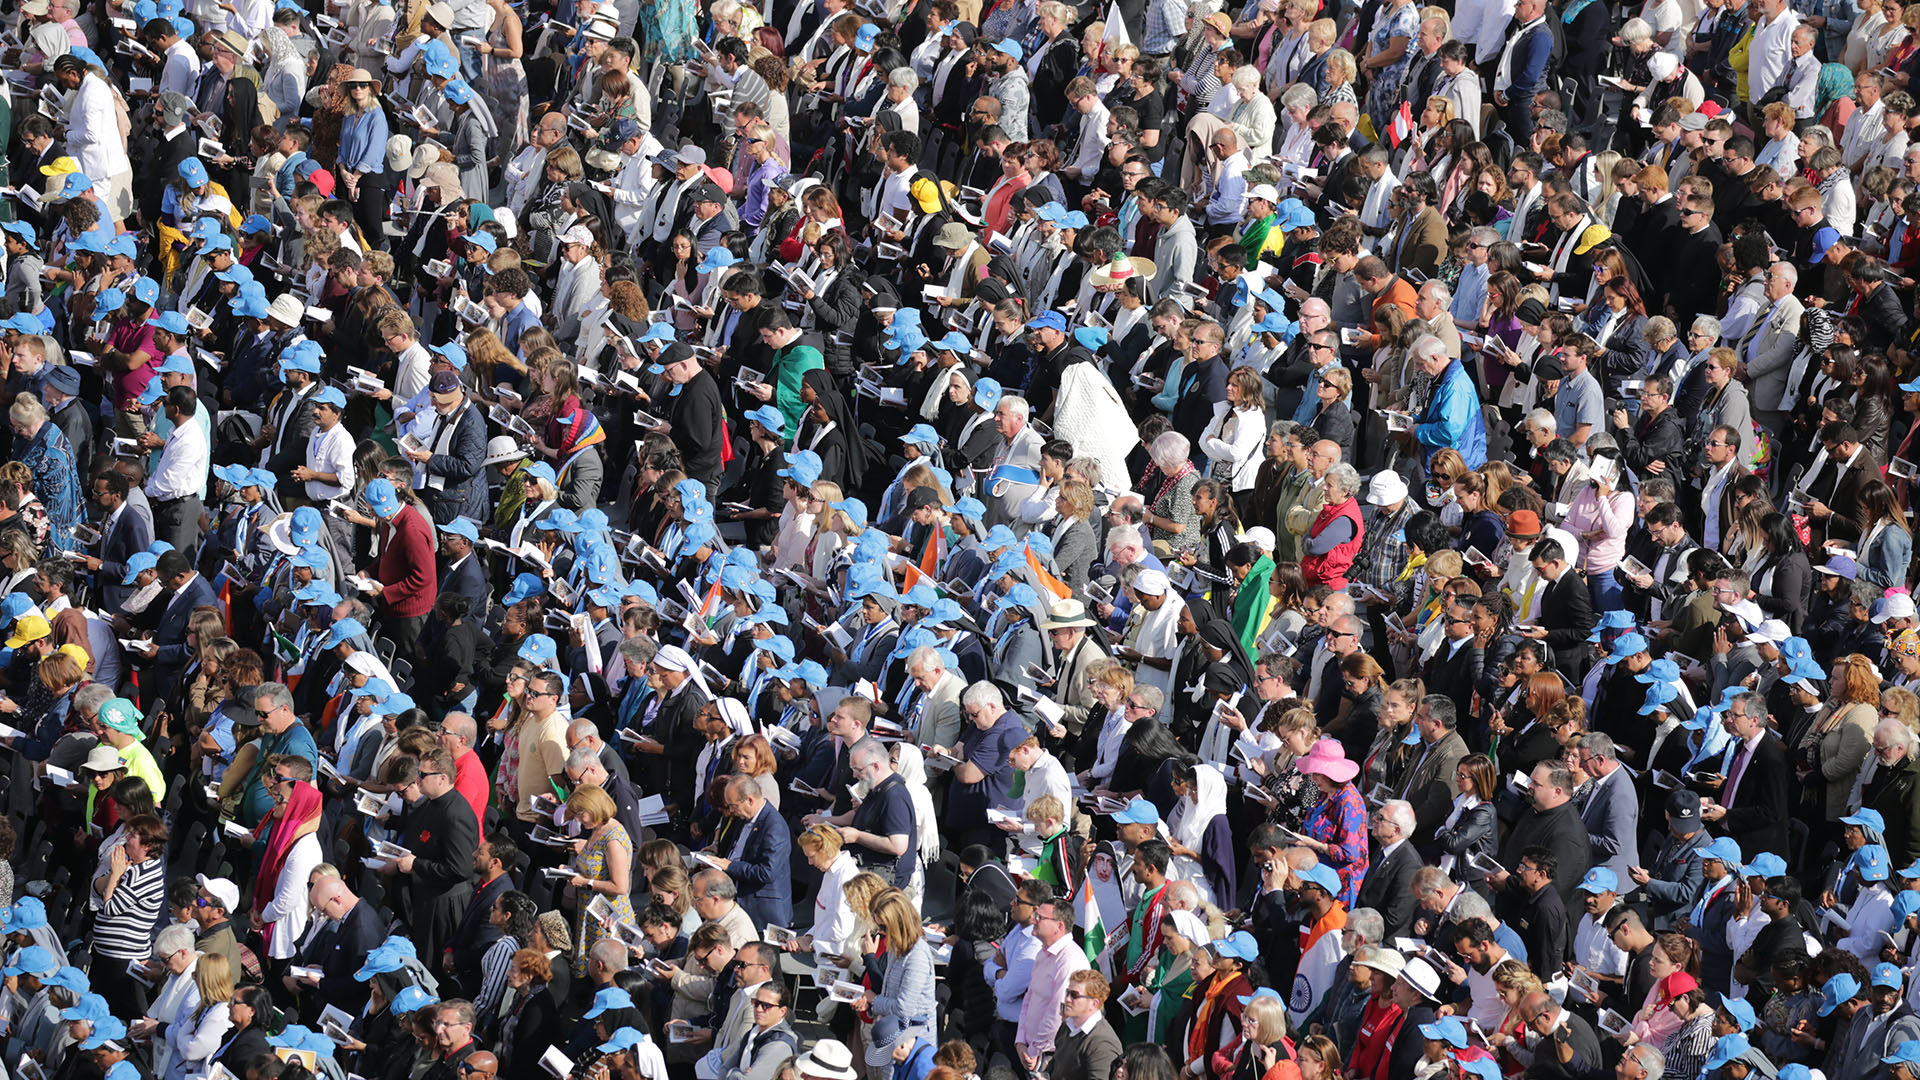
(1336,830)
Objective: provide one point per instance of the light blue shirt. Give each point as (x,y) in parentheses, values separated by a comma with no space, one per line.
(1018,948)
(363,142)
(1469,295)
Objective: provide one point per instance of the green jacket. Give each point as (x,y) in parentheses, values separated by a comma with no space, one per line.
(790,365)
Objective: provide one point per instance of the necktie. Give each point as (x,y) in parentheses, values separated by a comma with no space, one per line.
(1734,774)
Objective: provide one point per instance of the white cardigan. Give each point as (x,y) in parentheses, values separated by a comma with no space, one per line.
(1234,438)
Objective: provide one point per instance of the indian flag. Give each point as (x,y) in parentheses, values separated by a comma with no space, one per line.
(1086,915)
(710,604)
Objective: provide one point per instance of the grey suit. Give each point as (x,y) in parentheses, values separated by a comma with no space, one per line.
(1860,1043)
(1070,686)
(1612,817)
(1074,548)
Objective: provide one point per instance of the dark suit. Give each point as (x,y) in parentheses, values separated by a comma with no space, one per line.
(475,934)
(461,470)
(1454,672)
(293,417)
(171,634)
(1430,786)
(1089,1055)
(1388,888)
(760,869)
(1567,612)
(130,535)
(1757,808)
(469,579)
(1839,487)
(442,833)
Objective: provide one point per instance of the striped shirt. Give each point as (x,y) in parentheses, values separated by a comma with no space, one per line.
(124,930)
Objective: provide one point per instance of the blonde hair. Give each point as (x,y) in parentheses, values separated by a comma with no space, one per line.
(895,917)
(860,891)
(213,976)
(1272,1017)
(822,839)
(592,805)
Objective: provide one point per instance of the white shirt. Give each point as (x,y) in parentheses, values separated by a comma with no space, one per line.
(410,372)
(184,463)
(1481,25)
(1093,141)
(1373,212)
(249,18)
(93,130)
(182,69)
(330,451)
(1768,54)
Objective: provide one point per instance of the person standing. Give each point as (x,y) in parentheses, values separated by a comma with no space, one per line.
(403,579)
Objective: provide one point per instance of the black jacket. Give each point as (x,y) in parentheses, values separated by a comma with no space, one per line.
(1654,438)
(1757,814)
(1388,888)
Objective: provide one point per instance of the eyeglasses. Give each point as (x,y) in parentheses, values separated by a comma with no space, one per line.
(424,775)
(263,713)
(758,1005)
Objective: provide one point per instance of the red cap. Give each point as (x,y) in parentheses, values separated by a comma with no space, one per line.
(323,180)
(1523,523)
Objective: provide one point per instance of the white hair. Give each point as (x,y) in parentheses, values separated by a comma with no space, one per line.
(983,693)
(903,76)
(1169,449)
(1543,419)
(1437,291)
(1016,405)
(1400,812)
(1125,536)
(1426,349)
(925,658)
(1246,78)
(1787,270)
(1891,730)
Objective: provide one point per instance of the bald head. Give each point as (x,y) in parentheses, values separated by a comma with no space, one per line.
(331,897)
(481,1065)
(1315,306)
(459,726)
(582,732)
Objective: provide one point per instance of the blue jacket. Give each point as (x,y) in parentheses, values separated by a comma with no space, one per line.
(1452,418)
(761,870)
(1527,69)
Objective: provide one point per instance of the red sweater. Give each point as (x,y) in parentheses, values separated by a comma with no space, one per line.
(405,568)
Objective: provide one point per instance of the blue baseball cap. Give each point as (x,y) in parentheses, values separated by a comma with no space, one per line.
(306,526)
(237,274)
(1872,863)
(316,594)
(1907,1053)
(625,1038)
(803,468)
(1482,1069)
(256,223)
(1241,946)
(1010,47)
(1866,818)
(1627,644)
(1842,987)
(394,704)
(172,322)
(312,557)
(813,674)
(769,417)
(483,240)
(452,352)
(383,960)
(145,290)
(969,507)
(105,1030)
(987,393)
(1600,880)
(779,645)
(538,649)
(1724,849)
(1885,974)
(91,1007)
(1447,1029)
(922,435)
(1659,696)
(22,231)
(460,92)
(1047,320)
(1741,1011)
(855,509)
(412,999)
(125,244)
(332,395)
(296,358)
(1138,811)
(864,39)
(610,998)
(33,960)
(560,520)
(440,62)
(462,527)
(1092,337)
(70,979)
(1727,1049)
(75,185)
(716,258)
(525,587)
(29,913)
(1765,864)
(1322,875)
(383,498)
(375,688)
(340,632)
(138,561)
(249,306)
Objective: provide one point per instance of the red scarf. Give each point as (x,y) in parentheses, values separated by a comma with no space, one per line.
(303,806)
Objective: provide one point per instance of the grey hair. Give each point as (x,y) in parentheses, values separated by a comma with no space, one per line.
(903,76)
(926,658)
(1892,729)
(1600,745)
(1426,348)
(1151,696)
(1367,924)
(582,756)
(1601,441)
(640,650)
(613,959)
(1785,269)
(461,726)
(1486,236)
(90,697)
(1400,812)
(1346,476)
(1126,535)
(1089,469)
(1016,405)
(1471,905)
(27,410)
(1299,96)
(983,693)
(1246,78)
(1543,419)
(717,884)
(1650,1059)
(1635,30)
(1708,326)
(1436,289)
(1169,449)
(868,750)
(275,692)
(1282,428)
(1659,328)
(172,940)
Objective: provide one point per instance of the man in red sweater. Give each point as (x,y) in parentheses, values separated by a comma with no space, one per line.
(404,578)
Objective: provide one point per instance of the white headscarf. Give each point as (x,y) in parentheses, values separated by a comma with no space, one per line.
(912,767)
(1199,806)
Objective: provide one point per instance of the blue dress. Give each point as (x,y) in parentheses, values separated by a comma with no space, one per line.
(666,30)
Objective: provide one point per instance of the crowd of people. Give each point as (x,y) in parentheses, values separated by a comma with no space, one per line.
(957,539)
